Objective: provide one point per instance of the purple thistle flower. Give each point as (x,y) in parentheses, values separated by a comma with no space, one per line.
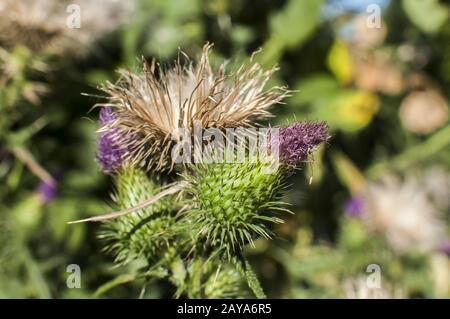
(354,207)
(47,191)
(111,145)
(298,140)
(106,116)
(445,247)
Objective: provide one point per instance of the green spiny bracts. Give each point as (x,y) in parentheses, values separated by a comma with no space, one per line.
(232,203)
(225,282)
(206,278)
(147,232)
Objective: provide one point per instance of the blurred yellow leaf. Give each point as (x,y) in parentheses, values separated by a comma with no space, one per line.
(340,62)
(353,110)
(348,173)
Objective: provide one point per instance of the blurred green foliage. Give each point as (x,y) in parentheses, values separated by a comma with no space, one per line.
(44,115)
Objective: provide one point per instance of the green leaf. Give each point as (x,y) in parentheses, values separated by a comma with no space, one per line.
(296,22)
(314,87)
(290,28)
(428,15)
(246,269)
(178,272)
(119,280)
(28,212)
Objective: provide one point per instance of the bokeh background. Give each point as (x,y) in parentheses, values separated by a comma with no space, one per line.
(377,194)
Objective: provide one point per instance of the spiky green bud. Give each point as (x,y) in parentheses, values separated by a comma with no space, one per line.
(205,278)
(148,232)
(233,203)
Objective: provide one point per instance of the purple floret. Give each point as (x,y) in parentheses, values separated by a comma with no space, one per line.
(354,207)
(106,116)
(445,247)
(298,140)
(111,145)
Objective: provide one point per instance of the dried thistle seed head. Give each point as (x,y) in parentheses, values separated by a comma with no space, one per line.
(155,107)
(299,140)
(404,214)
(43,25)
(232,204)
(423,112)
(17,63)
(28,23)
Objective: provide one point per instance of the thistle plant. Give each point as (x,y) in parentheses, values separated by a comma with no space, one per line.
(191,221)
(233,203)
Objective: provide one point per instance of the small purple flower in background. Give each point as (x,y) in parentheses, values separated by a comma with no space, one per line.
(298,140)
(445,247)
(111,145)
(354,207)
(47,191)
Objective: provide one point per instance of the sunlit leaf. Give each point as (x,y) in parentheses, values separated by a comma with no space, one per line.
(428,15)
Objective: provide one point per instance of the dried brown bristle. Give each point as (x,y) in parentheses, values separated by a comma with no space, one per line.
(154,107)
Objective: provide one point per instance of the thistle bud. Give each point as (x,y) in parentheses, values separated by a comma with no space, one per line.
(146,232)
(233,203)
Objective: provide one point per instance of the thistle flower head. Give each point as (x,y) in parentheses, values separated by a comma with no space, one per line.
(155,105)
(112,143)
(41,25)
(298,140)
